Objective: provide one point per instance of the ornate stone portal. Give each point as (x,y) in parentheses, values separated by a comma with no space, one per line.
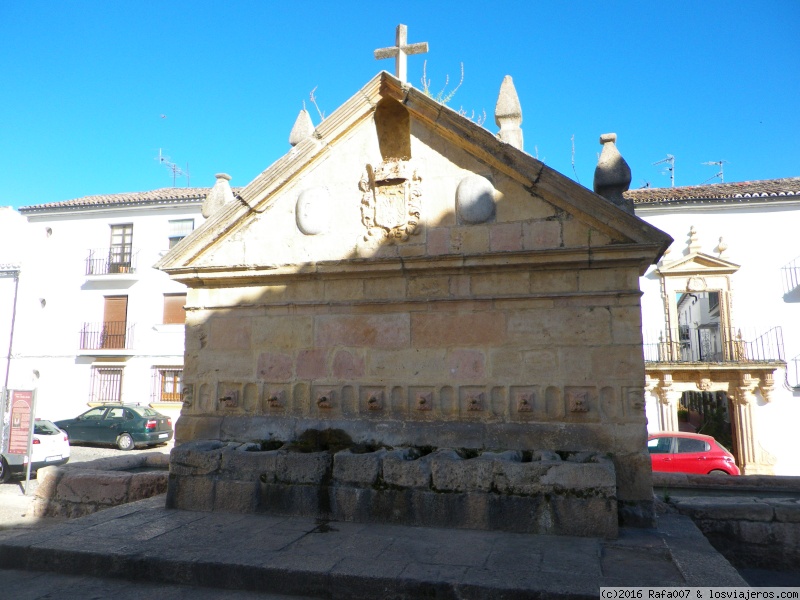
(733,369)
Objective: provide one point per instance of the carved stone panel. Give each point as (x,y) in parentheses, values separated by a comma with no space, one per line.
(390,201)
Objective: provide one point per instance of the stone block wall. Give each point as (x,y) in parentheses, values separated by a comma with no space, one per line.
(750,532)
(531,492)
(500,359)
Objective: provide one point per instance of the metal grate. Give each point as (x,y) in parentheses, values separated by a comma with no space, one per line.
(106,384)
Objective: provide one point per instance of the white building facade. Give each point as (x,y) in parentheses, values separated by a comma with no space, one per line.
(94,321)
(721,317)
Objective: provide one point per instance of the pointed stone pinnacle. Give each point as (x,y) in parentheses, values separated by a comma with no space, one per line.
(508,114)
(219,195)
(303,128)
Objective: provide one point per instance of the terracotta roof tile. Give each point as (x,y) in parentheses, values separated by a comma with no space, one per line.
(738,191)
(163,195)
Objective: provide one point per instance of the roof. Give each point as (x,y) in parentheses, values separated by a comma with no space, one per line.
(526,171)
(720,192)
(160,196)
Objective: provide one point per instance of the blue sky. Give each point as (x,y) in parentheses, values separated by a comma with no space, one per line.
(85,84)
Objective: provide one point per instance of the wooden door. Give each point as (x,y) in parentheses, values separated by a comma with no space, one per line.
(115,316)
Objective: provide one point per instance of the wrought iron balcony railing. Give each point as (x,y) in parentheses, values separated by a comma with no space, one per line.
(108,335)
(791,275)
(793,373)
(110,261)
(713,344)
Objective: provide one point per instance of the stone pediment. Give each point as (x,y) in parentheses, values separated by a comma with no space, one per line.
(697,262)
(394,179)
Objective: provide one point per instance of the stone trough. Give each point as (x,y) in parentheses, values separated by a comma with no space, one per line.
(78,489)
(540,492)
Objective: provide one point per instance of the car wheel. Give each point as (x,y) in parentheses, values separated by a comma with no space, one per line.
(5,472)
(125,441)
(718,472)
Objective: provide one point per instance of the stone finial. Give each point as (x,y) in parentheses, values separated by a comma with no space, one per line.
(219,195)
(721,247)
(508,114)
(612,176)
(694,243)
(303,128)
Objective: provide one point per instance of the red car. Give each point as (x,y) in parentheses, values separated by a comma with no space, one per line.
(679,452)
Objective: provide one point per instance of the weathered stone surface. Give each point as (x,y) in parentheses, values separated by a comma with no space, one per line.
(247,462)
(786,511)
(508,114)
(475,199)
(732,509)
(612,176)
(357,469)
(303,468)
(190,493)
(302,129)
(200,457)
(101,487)
(402,468)
(146,485)
(451,473)
(236,496)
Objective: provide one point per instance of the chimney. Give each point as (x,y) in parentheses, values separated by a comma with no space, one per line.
(612,176)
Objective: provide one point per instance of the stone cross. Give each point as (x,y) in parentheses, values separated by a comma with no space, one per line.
(400,51)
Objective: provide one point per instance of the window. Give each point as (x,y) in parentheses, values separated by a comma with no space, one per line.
(690,445)
(167,384)
(116,413)
(173,309)
(179,229)
(121,251)
(659,445)
(106,384)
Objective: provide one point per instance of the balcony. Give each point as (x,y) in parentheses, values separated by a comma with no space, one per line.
(714,344)
(791,276)
(117,260)
(106,338)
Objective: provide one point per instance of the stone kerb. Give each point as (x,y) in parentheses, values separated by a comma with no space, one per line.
(79,489)
(540,492)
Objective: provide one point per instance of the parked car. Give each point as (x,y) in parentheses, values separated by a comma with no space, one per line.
(124,425)
(679,452)
(50,447)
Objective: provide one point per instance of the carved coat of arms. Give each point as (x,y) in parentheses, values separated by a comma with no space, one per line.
(390,201)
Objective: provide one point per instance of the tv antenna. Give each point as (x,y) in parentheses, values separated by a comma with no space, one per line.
(175,169)
(721,175)
(671,168)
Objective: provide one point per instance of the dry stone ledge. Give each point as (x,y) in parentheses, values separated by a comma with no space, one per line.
(749,532)
(532,492)
(79,489)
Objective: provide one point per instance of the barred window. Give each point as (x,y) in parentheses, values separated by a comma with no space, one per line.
(167,384)
(179,229)
(106,384)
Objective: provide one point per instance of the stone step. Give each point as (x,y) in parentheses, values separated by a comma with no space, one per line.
(145,542)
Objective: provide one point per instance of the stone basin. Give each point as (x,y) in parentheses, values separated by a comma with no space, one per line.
(78,489)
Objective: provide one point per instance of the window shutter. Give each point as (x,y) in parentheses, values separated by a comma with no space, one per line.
(173,309)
